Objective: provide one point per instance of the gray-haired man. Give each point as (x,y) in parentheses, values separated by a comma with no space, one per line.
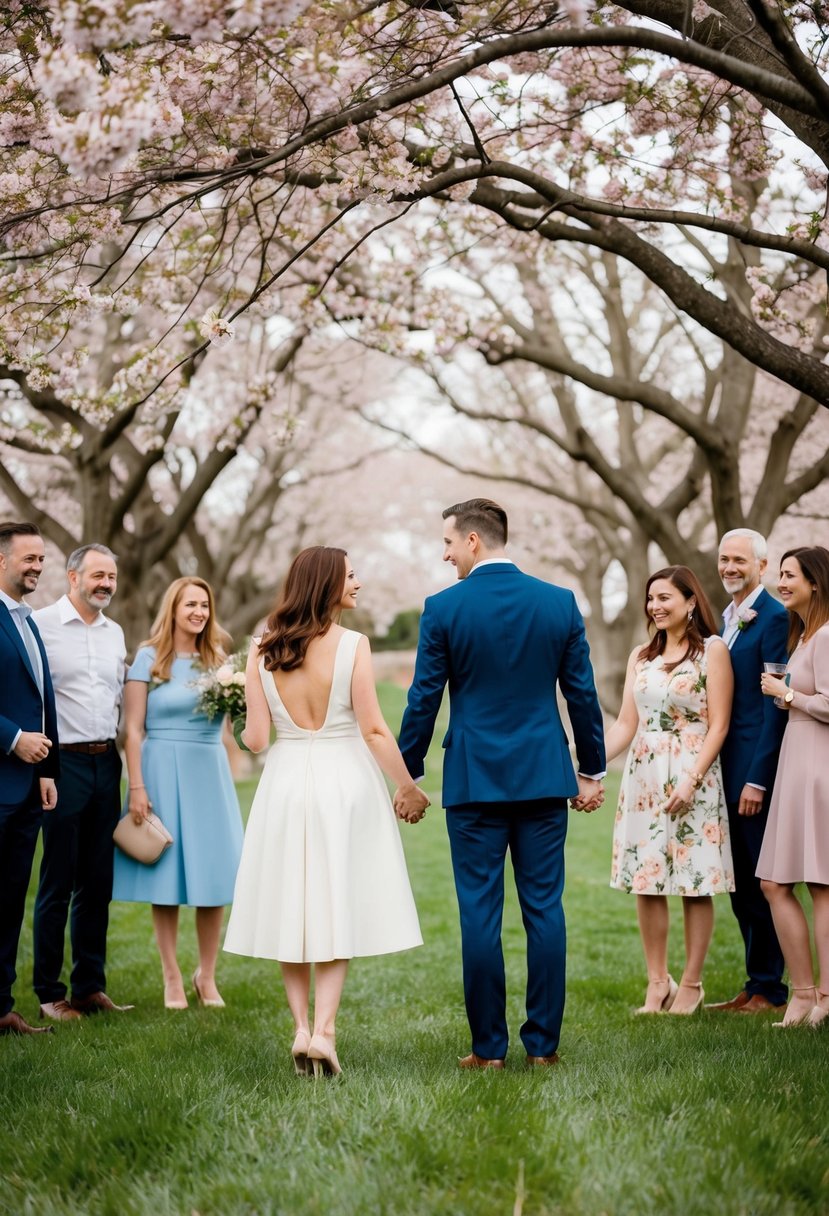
(87,658)
(755,627)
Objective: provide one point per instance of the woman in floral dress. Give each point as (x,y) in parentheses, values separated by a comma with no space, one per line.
(671,831)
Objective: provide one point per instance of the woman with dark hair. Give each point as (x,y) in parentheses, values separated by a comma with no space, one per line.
(671,830)
(322,878)
(796,840)
(178,767)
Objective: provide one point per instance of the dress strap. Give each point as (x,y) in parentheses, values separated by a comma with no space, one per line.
(269,688)
(344,664)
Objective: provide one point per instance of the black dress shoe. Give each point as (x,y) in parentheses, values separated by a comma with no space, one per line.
(97,1002)
(13,1023)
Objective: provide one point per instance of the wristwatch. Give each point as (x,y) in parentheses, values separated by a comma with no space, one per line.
(789,697)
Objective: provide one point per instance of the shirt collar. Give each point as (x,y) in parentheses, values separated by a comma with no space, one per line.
(492,561)
(68,612)
(19,606)
(748,602)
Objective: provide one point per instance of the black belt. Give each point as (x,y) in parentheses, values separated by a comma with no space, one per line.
(88,749)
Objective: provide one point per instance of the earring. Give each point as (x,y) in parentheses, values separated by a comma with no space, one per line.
(690,615)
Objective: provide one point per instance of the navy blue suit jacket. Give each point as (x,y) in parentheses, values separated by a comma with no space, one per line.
(21,708)
(502,641)
(751,748)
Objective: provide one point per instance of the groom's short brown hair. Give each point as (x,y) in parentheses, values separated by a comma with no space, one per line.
(483,516)
(9,529)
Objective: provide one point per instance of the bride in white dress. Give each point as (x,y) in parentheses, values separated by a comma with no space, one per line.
(323,878)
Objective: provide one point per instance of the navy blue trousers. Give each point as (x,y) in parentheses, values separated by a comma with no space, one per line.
(19,826)
(480,835)
(77,869)
(764,958)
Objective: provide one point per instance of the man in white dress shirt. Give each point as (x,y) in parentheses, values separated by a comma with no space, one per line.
(87,658)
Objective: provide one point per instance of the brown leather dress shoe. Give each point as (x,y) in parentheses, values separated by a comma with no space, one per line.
(761,1004)
(59,1011)
(97,1002)
(473,1061)
(13,1023)
(732,1006)
(543,1061)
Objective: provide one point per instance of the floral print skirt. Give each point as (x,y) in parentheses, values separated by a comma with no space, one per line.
(659,854)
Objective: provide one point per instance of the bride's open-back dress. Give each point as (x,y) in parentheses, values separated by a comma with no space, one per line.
(323,874)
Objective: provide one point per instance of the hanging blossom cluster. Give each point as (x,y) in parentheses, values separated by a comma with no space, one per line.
(96,123)
(100,25)
(110,79)
(786,304)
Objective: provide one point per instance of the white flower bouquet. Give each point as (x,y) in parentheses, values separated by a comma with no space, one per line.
(222,690)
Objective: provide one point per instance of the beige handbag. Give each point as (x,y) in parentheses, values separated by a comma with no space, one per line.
(145,841)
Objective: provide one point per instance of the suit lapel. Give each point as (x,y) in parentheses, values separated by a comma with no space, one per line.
(11,629)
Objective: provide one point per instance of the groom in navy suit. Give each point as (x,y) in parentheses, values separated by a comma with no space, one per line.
(503,641)
(28,747)
(755,629)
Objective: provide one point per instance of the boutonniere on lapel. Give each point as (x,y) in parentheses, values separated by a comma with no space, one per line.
(744,618)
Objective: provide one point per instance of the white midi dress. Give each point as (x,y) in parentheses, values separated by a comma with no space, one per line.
(322,874)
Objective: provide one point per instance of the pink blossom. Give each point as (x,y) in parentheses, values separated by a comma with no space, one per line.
(215,328)
(577,11)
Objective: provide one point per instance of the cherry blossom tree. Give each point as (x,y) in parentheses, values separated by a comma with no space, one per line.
(611,126)
(201,477)
(575,382)
(218,163)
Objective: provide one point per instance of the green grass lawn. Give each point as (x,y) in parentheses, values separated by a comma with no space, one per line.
(200,1112)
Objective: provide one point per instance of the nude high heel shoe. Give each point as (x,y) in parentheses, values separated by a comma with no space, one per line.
(802,1017)
(820,1013)
(207,1002)
(299,1053)
(323,1057)
(174,1002)
(698,1003)
(667,1000)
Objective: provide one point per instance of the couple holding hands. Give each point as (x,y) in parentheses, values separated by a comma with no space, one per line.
(323,878)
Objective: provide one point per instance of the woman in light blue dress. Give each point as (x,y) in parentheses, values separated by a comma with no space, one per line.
(179,769)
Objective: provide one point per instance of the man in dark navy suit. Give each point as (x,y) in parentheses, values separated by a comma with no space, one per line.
(28,747)
(755,629)
(503,642)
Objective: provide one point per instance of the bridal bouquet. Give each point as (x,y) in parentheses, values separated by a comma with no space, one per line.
(222,690)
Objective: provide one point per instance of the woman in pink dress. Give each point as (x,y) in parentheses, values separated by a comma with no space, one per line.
(796,841)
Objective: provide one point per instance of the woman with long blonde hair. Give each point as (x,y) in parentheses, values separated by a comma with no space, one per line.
(179,769)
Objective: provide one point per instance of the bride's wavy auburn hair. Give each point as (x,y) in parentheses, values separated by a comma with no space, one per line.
(212,643)
(306,607)
(700,626)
